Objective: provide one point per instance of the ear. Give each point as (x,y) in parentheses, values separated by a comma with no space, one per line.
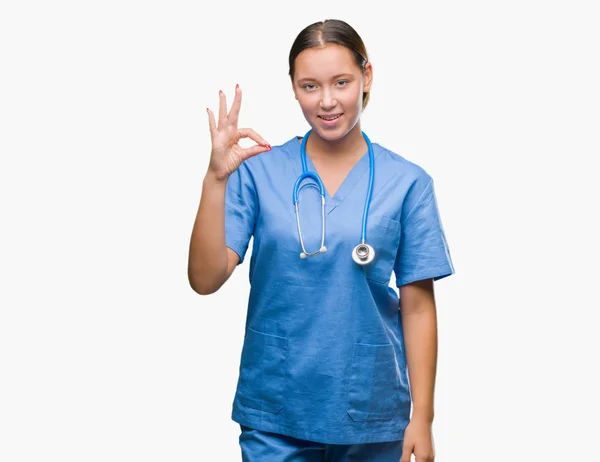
(367,77)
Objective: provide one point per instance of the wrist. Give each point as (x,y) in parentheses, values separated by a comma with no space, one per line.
(423,415)
(212,178)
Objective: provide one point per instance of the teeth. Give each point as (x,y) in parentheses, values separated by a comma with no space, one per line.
(333,118)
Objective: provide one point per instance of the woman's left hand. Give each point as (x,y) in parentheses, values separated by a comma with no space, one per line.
(418,440)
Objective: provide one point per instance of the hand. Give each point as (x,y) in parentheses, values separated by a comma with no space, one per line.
(418,440)
(226,155)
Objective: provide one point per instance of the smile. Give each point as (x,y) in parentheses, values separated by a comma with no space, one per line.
(330,117)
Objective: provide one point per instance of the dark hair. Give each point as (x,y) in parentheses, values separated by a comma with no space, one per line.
(330,31)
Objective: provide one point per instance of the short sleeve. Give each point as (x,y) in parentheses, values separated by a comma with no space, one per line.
(423,252)
(240,210)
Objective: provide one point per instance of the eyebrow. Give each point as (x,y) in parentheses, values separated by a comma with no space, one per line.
(333,78)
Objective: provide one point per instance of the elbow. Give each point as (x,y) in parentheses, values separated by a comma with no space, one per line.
(205,281)
(203,289)
(202,286)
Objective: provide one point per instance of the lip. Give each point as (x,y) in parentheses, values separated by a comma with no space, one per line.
(330,123)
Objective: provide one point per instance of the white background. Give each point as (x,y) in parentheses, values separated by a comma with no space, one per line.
(106,353)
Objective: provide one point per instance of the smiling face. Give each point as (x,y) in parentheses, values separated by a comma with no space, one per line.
(329,86)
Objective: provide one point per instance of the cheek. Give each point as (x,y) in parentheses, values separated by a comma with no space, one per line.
(352,101)
(308,103)
(351,97)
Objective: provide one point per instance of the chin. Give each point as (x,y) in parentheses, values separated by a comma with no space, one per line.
(331,134)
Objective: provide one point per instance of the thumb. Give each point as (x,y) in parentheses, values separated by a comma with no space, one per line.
(254,151)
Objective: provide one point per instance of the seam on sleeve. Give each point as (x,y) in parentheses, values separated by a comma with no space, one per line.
(418,201)
(436,274)
(238,248)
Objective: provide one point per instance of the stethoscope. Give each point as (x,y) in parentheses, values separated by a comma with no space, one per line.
(363,253)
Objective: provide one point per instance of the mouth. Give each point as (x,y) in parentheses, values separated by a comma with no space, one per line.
(330,120)
(330,117)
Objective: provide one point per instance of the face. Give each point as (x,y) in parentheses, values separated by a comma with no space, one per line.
(329,85)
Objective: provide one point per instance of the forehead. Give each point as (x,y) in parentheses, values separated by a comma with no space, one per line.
(323,62)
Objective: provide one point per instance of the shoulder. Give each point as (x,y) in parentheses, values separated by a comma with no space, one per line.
(404,172)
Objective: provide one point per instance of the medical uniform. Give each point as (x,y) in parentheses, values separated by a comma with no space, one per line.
(323,357)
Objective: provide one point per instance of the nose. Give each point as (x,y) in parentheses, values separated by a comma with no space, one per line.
(327,100)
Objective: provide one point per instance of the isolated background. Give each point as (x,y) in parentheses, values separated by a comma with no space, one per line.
(106,354)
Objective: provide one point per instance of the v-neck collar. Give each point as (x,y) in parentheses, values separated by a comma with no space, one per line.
(360,169)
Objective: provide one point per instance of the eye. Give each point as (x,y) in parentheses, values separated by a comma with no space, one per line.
(345,82)
(305,86)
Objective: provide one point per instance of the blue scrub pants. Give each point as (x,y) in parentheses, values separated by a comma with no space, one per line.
(259,446)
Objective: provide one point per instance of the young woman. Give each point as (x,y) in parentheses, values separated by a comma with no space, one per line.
(329,346)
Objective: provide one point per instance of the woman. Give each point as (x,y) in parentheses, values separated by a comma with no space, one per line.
(328,345)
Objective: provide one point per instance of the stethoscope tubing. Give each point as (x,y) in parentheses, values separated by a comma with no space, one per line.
(314,175)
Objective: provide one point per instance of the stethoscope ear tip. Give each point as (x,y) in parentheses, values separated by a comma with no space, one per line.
(304,255)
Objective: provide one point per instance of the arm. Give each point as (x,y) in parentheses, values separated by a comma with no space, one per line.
(417,307)
(423,257)
(210,261)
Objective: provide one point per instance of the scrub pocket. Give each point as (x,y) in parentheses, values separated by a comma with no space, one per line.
(262,371)
(383,234)
(374,385)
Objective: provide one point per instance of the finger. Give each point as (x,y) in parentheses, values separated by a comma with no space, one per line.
(222,110)
(235,107)
(212,126)
(249,133)
(406,453)
(254,151)
(425,458)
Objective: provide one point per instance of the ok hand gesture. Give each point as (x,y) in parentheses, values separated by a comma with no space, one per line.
(226,155)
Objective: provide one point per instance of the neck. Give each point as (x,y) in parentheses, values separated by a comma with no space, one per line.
(349,146)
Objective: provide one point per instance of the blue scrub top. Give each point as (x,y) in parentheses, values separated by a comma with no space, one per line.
(323,357)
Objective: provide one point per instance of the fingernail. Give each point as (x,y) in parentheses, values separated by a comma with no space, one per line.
(269,147)
(206,109)
(237,86)
(220,92)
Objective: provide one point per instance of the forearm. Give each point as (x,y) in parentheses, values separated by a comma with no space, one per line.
(207,264)
(420,336)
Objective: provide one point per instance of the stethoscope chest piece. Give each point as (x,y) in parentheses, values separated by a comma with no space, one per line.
(363,254)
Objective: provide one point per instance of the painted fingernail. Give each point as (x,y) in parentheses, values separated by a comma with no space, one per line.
(220,92)
(237,86)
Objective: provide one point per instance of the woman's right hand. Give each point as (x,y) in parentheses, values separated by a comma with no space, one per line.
(226,155)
